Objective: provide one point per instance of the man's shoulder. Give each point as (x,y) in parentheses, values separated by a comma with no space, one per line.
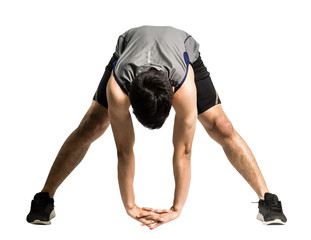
(184,101)
(187,84)
(115,96)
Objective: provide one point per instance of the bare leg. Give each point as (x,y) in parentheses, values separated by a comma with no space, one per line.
(92,126)
(219,127)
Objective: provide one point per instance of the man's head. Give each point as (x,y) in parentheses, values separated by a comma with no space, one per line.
(151,97)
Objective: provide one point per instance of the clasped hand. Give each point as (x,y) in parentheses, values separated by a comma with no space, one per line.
(152,218)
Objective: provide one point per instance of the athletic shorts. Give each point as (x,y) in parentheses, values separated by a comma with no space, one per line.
(207,96)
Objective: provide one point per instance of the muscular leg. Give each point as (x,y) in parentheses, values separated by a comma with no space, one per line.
(219,127)
(92,126)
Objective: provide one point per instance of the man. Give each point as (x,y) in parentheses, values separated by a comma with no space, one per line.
(152,69)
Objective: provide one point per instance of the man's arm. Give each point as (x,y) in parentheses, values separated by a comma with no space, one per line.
(185,105)
(123,131)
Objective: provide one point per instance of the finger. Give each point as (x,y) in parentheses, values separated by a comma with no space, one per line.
(147,214)
(151,227)
(147,208)
(147,225)
(161,211)
(144,214)
(146,222)
(156,218)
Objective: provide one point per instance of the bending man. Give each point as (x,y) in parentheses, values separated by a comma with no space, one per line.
(152,69)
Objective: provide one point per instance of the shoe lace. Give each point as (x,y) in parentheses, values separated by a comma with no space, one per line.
(39,204)
(275,206)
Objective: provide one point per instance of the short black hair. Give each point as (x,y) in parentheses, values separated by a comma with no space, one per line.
(151,97)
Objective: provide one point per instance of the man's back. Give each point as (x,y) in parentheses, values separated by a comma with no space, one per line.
(165,48)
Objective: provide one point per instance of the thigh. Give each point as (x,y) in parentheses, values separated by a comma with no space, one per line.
(96,117)
(207,96)
(100,94)
(216,123)
(210,117)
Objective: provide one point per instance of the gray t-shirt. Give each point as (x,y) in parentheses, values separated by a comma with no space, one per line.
(162,47)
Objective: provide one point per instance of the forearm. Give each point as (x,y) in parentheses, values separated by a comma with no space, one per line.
(182,174)
(126,172)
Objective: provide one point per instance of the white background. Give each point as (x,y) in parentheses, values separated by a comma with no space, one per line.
(52,57)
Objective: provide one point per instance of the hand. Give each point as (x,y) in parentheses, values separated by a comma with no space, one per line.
(167,216)
(146,216)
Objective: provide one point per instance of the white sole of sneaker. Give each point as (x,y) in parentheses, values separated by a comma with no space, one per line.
(273,222)
(39,222)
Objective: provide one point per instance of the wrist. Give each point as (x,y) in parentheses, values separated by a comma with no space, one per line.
(129,206)
(177,209)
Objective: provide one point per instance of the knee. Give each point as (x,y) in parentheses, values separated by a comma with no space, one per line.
(93,126)
(222,128)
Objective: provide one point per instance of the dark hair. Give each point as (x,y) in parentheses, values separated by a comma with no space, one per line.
(151,97)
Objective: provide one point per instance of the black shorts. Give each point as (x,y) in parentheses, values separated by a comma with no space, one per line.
(207,96)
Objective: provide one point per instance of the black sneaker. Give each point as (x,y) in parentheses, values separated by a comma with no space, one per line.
(270,210)
(42,209)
